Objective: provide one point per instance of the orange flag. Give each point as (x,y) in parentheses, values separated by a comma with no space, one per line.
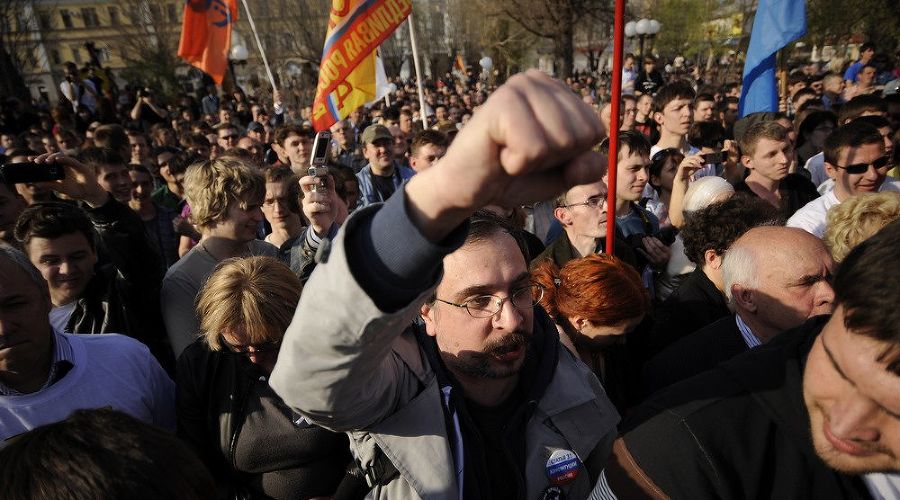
(206,35)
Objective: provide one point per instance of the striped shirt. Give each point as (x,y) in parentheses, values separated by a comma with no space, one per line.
(748,336)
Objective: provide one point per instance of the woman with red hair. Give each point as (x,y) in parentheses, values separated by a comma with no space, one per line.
(595,301)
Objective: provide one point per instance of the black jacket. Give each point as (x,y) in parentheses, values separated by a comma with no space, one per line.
(739,431)
(700,351)
(562,251)
(692,306)
(123,295)
(796,191)
(218,393)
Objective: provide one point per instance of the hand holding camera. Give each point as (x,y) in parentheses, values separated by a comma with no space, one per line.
(79,182)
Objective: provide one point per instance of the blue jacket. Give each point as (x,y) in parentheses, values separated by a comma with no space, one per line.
(367,192)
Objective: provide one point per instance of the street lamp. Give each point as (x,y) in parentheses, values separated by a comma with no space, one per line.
(642,29)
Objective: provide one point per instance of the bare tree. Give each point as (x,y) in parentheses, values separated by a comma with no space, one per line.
(149,44)
(18,40)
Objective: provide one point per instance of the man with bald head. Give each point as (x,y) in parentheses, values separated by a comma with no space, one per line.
(775,278)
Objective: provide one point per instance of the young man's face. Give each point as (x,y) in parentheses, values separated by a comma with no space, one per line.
(297,148)
(644,105)
(675,118)
(241,220)
(848,183)
(853,400)
(629,111)
(866,75)
(770,160)
(276,205)
(114,179)
(379,152)
(703,111)
(585,210)
(482,348)
(426,156)
(227,138)
(141,186)
(66,263)
(632,175)
(139,148)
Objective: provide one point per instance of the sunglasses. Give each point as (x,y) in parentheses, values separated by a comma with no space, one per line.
(861,168)
(229,137)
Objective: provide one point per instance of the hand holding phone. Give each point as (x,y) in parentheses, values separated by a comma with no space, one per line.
(317,159)
(29,172)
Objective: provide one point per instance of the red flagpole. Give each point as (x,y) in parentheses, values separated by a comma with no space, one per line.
(612,161)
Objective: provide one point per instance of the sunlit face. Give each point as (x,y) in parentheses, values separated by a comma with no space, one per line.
(481,348)
(847,184)
(241,221)
(676,116)
(66,262)
(853,401)
(276,205)
(585,213)
(703,111)
(227,138)
(632,175)
(666,175)
(139,148)
(114,179)
(426,156)
(644,105)
(297,148)
(629,111)
(379,153)
(770,160)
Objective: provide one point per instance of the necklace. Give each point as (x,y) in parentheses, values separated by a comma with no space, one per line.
(244,253)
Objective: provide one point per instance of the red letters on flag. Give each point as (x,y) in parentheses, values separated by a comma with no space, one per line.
(206,35)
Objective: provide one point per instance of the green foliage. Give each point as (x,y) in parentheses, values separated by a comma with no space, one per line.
(683,26)
(833,21)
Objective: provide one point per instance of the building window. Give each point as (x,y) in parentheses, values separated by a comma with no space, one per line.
(45,21)
(54,56)
(134,15)
(76,53)
(89,16)
(114,16)
(155,14)
(66,18)
(172,12)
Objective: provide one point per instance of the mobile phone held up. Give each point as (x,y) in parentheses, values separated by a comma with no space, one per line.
(29,172)
(317,166)
(714,158)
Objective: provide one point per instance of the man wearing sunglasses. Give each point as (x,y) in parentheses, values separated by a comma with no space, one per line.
(855,159)
(480,401)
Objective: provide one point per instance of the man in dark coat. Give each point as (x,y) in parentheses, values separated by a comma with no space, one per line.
(813,414)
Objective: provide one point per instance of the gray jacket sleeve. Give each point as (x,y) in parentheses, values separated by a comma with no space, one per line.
(345,362)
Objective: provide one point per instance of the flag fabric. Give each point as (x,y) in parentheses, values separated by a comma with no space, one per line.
(777,23)
(206,35)
(460,64)
(347,74)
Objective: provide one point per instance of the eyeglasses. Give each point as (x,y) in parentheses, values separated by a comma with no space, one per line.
(861,168)
(251,348)
(592,202)
(485,306)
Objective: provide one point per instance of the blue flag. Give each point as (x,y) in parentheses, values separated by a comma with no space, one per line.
(777,23)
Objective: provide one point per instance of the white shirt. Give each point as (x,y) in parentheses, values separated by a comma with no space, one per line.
(816,167)
(883,486)
(813,216)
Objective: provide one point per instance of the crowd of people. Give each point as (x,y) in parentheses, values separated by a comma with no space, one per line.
(187,313)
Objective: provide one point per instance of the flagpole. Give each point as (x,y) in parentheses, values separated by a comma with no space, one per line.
(613,160)
(415,51)
(259,45)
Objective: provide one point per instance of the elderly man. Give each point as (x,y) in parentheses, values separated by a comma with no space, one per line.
(812,414)
(482,401)
(46,374)
(775,278)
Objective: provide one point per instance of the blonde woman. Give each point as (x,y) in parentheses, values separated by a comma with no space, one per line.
(856,219)
(252,443)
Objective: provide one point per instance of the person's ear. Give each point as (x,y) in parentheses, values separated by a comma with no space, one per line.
(655,181)
(830,171)
(746,161)
(563,216)
(428,314)
(712,259)
(578,322)
(743,297)
(658,117)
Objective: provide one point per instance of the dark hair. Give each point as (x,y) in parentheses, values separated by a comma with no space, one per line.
(285,131)
(706,135)
(637,143)
(812,121)
(768,129)
(717,226)
(866,103)
(704,97)
(137,167)
(180,162)
(866,284)
(797,77)
(426,137)
(484,224)
(51,220)
(659,160)
(111,136)
(873,120)
(866,46)
(802,92)
(678,89)
(102,454)
(284,174)
(94,157)
(851,135)
(12,153)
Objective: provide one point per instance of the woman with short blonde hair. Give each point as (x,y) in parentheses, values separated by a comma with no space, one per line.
(857,218)
(251,442)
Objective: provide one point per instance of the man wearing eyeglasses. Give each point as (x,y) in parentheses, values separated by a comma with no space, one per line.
(855,159)
(479,400)
(581,211)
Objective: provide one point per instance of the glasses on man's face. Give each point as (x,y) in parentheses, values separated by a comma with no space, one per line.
(485,306)
(598,201)
(249,349)
(861,168)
